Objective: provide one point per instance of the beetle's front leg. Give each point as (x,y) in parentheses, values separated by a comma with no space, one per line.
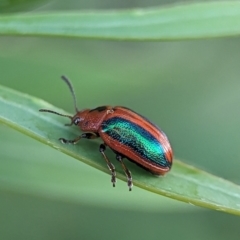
(111,167)
(84,135)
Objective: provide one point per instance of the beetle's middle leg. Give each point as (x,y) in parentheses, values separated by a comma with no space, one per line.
(83,135)
(111,167)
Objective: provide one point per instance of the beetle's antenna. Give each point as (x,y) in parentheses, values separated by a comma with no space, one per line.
(66,80)
(50,111)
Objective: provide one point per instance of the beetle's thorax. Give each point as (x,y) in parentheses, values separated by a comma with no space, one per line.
(90,120)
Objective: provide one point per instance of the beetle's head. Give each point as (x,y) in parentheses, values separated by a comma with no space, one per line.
(79,116)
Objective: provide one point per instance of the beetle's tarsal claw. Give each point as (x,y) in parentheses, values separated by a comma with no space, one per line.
(113,180)
(62,140)
(130,184)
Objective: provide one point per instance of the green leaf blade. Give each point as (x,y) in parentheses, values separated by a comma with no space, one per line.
(189,21)
(184,182)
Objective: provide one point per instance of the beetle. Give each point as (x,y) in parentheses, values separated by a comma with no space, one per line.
(127,133)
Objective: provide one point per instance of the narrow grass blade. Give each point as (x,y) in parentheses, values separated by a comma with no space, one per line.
(184,182)
(176,22)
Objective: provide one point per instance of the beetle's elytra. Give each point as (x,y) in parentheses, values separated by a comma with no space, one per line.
(127,133)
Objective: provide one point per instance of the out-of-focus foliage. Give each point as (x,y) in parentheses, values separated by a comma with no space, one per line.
(190,89)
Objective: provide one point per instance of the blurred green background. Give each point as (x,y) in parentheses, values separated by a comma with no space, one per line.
(189,88)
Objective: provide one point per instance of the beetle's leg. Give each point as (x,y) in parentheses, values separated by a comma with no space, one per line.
(84,135)
(111,167)
(127,172)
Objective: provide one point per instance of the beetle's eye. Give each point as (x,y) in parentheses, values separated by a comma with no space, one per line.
(76,121)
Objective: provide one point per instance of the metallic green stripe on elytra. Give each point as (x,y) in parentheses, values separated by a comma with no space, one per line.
(136,138)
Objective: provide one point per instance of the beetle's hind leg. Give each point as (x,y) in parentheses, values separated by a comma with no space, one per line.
(128,174)
(111,167)
(84,135)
